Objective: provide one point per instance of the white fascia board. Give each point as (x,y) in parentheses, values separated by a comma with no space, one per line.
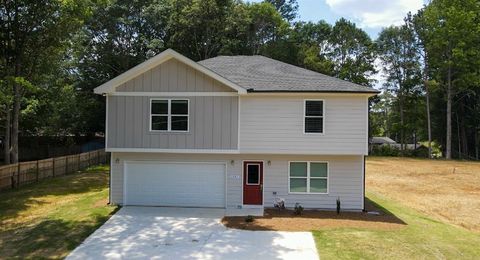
(109,87)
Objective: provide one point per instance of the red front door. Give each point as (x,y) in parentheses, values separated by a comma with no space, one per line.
(252,183)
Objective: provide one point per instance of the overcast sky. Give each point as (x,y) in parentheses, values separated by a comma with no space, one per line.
(370,15)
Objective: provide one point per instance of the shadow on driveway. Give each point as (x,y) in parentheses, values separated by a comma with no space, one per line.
(188,233)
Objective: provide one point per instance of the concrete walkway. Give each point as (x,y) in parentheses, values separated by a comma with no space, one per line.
(186,233)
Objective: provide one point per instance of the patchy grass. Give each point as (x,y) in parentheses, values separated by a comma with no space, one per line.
(421,238)
(438,200)
(444,190)
(49,219)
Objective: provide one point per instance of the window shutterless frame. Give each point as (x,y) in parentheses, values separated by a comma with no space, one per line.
(309,177)
(305,116)
(247,172)
(169,115)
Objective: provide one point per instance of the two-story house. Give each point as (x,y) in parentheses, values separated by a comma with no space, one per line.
(235,132)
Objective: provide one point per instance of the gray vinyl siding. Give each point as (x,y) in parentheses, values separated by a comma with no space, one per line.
(271,124)
(213,124)
(345,177)
(173,76)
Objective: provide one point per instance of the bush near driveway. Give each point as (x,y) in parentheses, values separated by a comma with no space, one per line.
(51,218)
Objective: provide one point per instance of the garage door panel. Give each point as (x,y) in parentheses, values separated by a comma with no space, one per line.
(175,184)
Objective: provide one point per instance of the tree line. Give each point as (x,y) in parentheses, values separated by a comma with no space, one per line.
(54,52)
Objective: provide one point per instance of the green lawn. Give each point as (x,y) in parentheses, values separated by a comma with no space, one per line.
(420,238)
(49,219)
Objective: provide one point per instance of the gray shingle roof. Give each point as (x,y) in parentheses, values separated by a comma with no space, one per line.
(262,74)
(381,140)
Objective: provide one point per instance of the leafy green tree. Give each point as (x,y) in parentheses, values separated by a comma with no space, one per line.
(397,51)
(312,40)
(34,36)
(266,26)
(352,52)
(197,28)
(117,36)
(451,39)
(287,8)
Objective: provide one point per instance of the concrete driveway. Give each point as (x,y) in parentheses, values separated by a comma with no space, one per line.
(185,233)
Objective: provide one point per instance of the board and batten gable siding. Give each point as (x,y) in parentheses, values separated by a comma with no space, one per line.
(345,177)
(213,120)
(274,124)
(213,124)
(173,76)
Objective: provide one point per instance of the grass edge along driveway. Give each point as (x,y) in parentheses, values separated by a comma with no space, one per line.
(51,218)
(421,238)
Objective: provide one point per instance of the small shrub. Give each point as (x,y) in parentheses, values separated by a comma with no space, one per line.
(338,206)
(384,150)
(298,209)
(249,219)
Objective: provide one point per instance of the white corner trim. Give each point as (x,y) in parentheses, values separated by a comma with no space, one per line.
(367,122)
(174,94)
(109,86)
(155,150)
(106,121)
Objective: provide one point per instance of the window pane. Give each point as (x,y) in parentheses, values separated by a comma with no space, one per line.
(179,123)
(318,170)
(298,169)
(314,108)
(313,125)
(160,107)
(159,123)
(298,185)
(318,185)
(179,107)
(253,174)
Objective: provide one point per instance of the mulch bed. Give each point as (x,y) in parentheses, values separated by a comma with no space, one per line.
(285,220)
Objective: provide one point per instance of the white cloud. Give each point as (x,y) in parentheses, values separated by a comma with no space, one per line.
(375,13)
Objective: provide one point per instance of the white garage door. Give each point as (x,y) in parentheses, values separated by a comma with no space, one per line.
(175,184)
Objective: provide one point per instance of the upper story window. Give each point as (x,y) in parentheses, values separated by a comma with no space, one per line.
(314,117)
(170,115)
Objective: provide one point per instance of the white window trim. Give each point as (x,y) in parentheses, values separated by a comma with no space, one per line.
(259,174)
(309,177)
(169,115)
(305,116)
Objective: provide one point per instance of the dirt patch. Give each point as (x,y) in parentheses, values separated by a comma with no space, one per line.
(100,203)
(285,220)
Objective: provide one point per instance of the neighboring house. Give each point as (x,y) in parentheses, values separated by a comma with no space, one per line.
(383,140)
(235,132)
(380,140)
